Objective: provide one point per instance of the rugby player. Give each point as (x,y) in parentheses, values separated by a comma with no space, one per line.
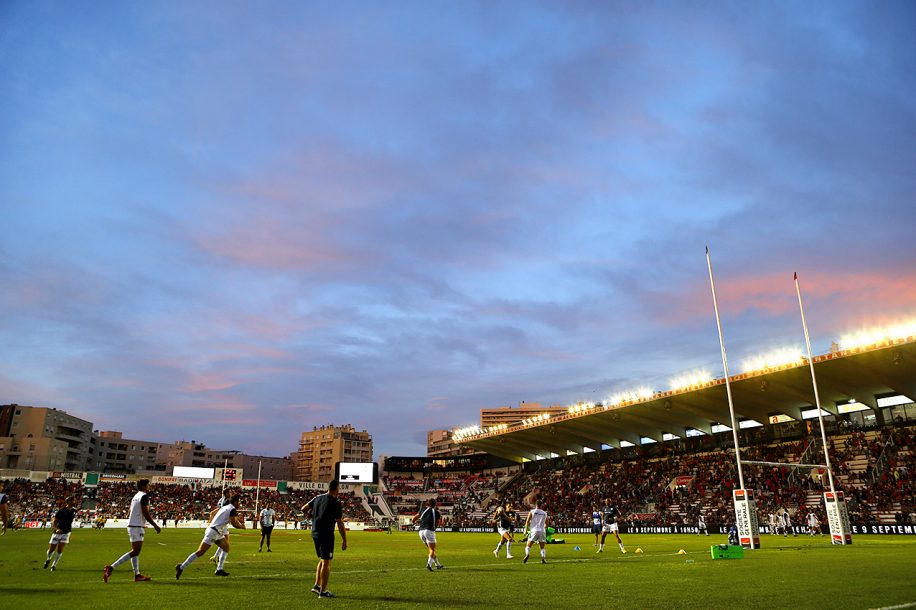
(217,533)
(429,520)
(137,519)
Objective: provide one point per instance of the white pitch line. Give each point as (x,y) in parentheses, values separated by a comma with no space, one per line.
(898,607)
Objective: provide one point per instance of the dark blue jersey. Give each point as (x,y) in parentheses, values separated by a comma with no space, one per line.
(429,519)
(610,515)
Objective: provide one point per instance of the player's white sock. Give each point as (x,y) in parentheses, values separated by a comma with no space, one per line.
(135,562)
(509,548)
(191,559)
(620,544)
(499,546)
(527,551)
(429,561)
(601,547)
(222,560)
(543,553)
(50,553)
(56,559)
(121,560)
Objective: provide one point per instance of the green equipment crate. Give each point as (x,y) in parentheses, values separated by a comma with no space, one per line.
(726,551)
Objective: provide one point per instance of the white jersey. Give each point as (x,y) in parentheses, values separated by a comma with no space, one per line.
(223,517)
(538,521)
(786,519)
(701,521)
(136,518)
(267,517)
(813,521)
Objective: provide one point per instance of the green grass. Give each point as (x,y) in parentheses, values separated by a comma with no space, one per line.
(380,570)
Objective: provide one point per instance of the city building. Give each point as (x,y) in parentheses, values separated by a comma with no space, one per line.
(439,443)
(43,438)
(321,448)
(114,453)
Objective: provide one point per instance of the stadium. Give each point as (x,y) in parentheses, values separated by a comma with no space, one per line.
(403,304)
(663,459)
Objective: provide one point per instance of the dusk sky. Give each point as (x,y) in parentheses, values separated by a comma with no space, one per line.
(234,221)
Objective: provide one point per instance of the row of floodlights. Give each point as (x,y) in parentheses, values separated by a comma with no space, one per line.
(776,359)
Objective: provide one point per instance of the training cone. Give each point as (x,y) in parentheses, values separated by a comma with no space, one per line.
(638,551)
(682,552)
(576,549)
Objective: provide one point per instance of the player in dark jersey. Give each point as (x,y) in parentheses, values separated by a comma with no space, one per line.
(63,525)
(326,512)
(429,519)
(609,517)
(505,524)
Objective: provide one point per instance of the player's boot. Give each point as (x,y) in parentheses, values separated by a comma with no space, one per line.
(47,563)
(221,573)
(326,594)
(316,590)
(141,578)
(178,571)
(525,560)
(106,573)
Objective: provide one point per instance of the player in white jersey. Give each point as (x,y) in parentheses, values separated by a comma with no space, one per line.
(814,525)
(223,500)
(774,524)
(701,525)
(786,522)
(267,525)
(216,533)
(136,528)
(4,508)
(536,524)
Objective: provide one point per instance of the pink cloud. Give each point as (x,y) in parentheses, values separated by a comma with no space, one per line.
(878,296)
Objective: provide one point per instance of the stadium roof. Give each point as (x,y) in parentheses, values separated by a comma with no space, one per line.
(859,374)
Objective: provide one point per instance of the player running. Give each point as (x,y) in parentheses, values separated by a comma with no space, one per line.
(609,517)
(137,519)
(267,525)
(505,519)
(223,500)
(63,525)
(216,533)
(536,524)
(429,520)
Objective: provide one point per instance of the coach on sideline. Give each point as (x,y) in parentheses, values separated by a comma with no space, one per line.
(325,511)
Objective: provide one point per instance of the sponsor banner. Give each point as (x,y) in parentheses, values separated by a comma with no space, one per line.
(255,483)
(838,518)
(307,485)
(111,476)
(688,529)
(746,519)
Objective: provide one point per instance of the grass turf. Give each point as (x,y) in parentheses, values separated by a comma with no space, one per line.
(380,570)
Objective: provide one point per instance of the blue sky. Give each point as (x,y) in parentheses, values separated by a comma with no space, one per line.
(233,221)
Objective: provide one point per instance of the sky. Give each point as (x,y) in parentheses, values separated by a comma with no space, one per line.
(233,221)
